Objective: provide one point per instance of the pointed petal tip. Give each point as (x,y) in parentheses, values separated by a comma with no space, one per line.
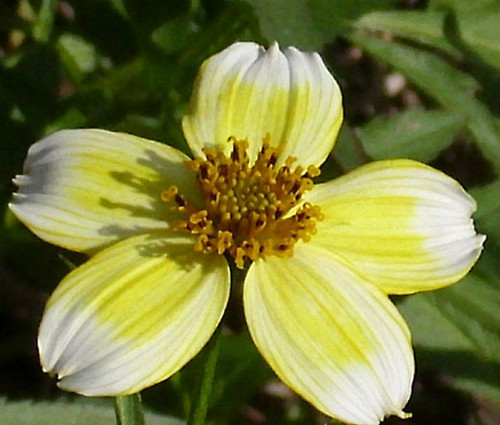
(403,415)
(20,179)
(274,47)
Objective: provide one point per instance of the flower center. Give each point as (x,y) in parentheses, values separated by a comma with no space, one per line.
(249,211)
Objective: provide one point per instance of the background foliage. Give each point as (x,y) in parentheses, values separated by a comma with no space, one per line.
(420,80)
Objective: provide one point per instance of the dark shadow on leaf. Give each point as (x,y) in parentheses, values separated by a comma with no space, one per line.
(485,73)
(459,364)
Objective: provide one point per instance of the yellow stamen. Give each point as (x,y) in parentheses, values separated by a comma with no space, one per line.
(248,209)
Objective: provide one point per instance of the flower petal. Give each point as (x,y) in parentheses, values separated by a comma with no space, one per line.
(84,189)
(315,109)
(404,225)
(248,92)
(332,337)
(132,315)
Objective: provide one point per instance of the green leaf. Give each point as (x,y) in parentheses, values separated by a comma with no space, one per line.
(488,209)
(461,5)
(473,307)
(429,328)
(78,57)
(297,29)
(309,25)
(477,30)
(480,31)
(336,17)
(119,6)
(422,26)
(348,154)
(432,74)
(452,88)
(457,329)
(239,375)
(72,118)
(146,126)
(64,413)
(461,317)
(172,36)
(45,20)
(414,134)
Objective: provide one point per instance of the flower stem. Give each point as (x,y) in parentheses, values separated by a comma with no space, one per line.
(200,403)
(128,410)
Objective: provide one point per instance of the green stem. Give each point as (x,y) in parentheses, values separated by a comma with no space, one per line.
(128,410)
(200,403)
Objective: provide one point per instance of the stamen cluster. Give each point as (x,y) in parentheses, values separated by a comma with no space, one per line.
(249,210)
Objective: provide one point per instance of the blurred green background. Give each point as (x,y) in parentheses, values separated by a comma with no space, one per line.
(420,80)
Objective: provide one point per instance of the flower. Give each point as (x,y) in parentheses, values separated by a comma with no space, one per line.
(322,259)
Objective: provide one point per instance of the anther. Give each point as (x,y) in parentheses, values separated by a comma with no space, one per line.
(245,205)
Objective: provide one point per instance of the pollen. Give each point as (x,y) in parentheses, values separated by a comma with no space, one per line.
(250,211)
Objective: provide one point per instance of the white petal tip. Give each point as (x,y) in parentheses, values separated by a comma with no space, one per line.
(403,415)
(274,47)
(20,180)
(16,199)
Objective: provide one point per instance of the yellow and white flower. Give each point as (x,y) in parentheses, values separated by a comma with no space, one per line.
(321,259)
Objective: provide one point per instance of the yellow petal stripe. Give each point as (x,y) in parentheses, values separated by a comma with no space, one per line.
(132,315)
(247,92)
(83,189)
(333,338)
(404,225)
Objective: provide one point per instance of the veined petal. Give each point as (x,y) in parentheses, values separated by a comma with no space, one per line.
(247,92)
(315,109)
(132,315)
(84,189)
(404,225)
(332,337)
(213,113)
